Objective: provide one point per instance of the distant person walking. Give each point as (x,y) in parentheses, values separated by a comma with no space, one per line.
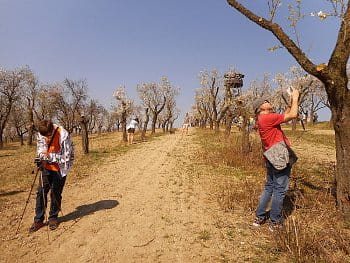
(186,124)
(277,181)
(131,130)
(55,155)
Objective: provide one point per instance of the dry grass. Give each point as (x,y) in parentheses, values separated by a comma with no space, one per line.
(17,166)
(313,232)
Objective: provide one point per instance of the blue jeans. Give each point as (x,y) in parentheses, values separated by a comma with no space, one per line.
(51,181)
(277,182)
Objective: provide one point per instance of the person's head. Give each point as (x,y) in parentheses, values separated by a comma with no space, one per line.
(262,105)
(45,128)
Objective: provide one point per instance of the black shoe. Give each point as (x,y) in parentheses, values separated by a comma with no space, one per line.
(53,224)
(36,226)
(259,221)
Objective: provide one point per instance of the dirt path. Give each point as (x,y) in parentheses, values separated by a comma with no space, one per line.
(144,206)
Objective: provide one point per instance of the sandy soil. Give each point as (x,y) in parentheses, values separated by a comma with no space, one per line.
(144,206)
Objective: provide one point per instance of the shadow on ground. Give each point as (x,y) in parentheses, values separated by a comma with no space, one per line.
(10,193)
(89,209)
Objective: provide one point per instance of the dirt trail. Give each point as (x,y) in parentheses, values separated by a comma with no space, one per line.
(144,206)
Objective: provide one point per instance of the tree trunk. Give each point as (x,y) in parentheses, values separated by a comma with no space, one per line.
(217,125)
(245,135)
(21,139)
(228,120)
(154,123)
(84,135)
(125,136)
(342,142)
(211,124)
(1,138)
(144,130)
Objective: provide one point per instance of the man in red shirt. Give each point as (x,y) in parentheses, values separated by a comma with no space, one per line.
(277,181)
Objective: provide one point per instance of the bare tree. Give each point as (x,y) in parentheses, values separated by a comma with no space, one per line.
(30,92)
(71,102)
(45,102)
(153,97)
(334,77)
(211,85)
(18,119)
(10,84)
(123,108)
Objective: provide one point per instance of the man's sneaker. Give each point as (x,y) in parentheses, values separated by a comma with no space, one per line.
(53,224)
(259,221)
(275,227)
(36,226)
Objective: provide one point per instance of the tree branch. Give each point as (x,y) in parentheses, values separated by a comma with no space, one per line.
(288,43)
(341,52)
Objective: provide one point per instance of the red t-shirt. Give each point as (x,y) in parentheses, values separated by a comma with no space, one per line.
(270,129)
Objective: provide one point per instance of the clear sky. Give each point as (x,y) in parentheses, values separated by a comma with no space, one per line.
(123,42)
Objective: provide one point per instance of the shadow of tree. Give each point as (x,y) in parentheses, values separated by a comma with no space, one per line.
(11,193)
(85,210)
(313,186)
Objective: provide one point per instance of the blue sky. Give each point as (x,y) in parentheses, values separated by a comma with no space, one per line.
(122,42)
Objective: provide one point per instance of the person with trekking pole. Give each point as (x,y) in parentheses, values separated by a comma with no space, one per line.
(278,158)
(55,155)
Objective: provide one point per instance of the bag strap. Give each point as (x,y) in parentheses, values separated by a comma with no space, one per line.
(53,136)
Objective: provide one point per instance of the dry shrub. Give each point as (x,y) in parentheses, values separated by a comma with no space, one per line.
(314,233)
(233,195)
(223,150)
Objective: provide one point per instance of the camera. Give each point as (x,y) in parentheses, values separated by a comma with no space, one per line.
(37,161)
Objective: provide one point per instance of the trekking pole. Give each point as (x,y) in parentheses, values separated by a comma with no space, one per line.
(30,193)
(45,204)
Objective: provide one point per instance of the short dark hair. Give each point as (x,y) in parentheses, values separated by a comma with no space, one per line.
(45,127)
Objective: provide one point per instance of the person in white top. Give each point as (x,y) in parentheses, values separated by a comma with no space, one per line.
(186,123)
(131,130)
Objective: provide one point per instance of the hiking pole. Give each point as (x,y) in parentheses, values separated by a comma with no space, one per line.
(25,207)
(45,205)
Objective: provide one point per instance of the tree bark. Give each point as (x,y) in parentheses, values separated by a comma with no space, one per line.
(144,130)
(154,123)
(84,135)
(341,122)
(229,119)
(30,124)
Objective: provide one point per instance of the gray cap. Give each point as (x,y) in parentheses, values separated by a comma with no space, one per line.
(258,102)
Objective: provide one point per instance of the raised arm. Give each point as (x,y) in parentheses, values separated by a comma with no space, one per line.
(292,112)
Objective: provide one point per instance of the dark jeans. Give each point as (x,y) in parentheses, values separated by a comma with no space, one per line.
(54,181)
(277,182)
